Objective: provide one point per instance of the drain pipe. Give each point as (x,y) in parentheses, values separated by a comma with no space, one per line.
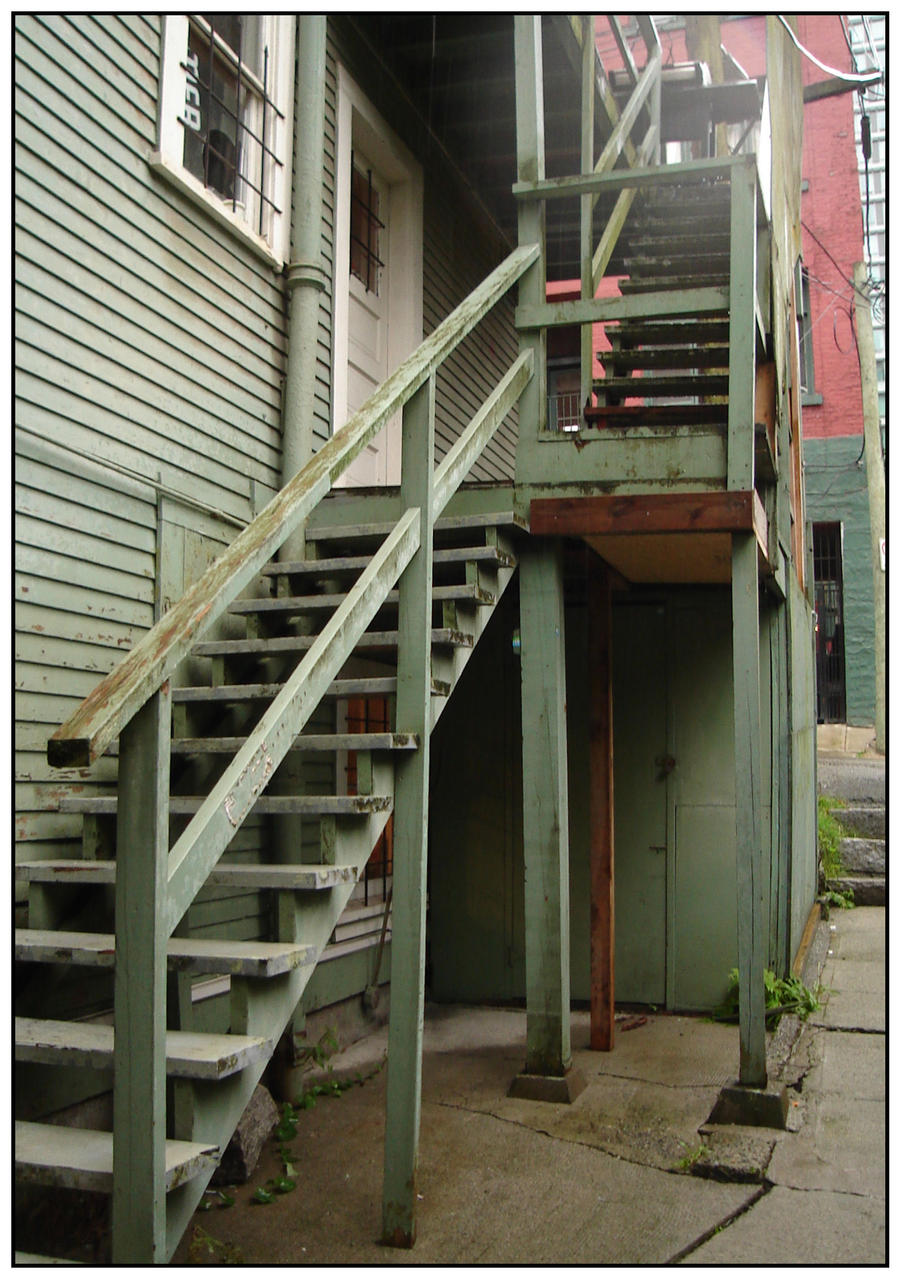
(305,275)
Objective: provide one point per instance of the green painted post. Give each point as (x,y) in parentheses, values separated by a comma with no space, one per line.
(752,877)
(588,81)
(545,808)
(742,328)
(532,220)
(404,1082)
(139,1089)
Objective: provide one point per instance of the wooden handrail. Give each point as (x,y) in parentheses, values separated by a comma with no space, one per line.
(101,716)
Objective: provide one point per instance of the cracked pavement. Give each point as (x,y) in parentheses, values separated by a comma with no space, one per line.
(630,1173)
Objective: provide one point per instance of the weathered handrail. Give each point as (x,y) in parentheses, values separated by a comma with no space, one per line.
(101,716)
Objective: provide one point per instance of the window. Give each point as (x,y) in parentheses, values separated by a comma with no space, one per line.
(564,397)
(225,116)
(365,228)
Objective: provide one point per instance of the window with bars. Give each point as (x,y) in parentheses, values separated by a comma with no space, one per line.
(365,229)
(829,579)
(224,116)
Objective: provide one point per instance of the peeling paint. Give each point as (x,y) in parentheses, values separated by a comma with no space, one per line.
(261,761)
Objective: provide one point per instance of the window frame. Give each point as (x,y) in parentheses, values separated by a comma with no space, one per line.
(168,160)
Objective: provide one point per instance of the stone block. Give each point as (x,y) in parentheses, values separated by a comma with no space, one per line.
(863,856)
(751,1107)
(557,1088)
(864,820)
(243,1151)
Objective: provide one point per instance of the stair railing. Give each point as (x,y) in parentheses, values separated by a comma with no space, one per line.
(156,885)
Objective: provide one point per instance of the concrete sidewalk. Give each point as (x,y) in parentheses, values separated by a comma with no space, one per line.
(629,1173)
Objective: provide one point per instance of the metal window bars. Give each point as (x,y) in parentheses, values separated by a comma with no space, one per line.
(365,263)
(215,142)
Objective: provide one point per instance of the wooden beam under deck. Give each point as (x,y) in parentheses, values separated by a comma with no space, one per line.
(659,537)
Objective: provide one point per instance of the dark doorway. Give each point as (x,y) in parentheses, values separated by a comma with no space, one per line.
(831,700)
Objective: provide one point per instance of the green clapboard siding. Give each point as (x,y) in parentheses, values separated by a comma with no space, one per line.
(837,492)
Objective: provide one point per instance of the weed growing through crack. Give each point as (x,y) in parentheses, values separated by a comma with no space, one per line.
(692,1157)
(206,1250)
(783,995)
(830,835)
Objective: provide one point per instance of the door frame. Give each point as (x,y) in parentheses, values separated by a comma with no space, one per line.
(359,125)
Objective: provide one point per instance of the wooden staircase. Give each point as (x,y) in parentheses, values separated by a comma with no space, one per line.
(309,891)
(670,370)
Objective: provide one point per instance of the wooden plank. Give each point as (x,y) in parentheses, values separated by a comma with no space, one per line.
(545,810)
(115,700)
(185,805)
(602,825)
(641,179)
(752,877)
(189,1055)
(413,713)
(329,566)
(258,875)
(443,636)
(311,742)
(742,330)
(139,993)
(97,950)
(713,512)
(689,301)
(82,1158)
(315,603)
(447,523)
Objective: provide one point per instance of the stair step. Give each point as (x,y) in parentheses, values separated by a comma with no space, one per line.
(82,1158)
(696,265)
(446,523)
(864,820)
(312,603)
(374,686)
(187,805)
(867,890)
(714,242)
(649,333)
(185,954)
(670,283)
(356,563)
(863,856)
(659,386)
(666,357)
(441,637)
(622,415)
(309,877)
(308,742)
(189,1054)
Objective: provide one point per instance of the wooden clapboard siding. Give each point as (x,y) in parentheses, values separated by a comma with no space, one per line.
(148,335)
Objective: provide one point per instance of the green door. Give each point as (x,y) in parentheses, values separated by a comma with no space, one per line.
(640,754)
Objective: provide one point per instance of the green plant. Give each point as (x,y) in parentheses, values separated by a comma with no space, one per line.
(830,835)
(204,1249)
(225,1201)
(693,1156)
(840,900)
(782,995)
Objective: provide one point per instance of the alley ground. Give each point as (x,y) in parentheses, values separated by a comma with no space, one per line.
(629,1173)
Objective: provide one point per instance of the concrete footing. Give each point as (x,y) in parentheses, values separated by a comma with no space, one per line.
(559,1088)
(752,1107)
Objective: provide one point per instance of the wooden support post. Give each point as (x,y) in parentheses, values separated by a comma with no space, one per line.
(545,826)
(588,81)
(532,220)
(404,1084)
(603,915)
(139,1090)
(752,875)
(742,329)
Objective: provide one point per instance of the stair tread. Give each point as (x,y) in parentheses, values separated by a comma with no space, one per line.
(355,563)
(446,523)
(670,283)
(310,603)
(659,385)
(189,1054)
(371,686)
(183,805)
(50,1154)
(663,332)
(441,637)
(666,357)
(247,959)
(308,876)
(311,742)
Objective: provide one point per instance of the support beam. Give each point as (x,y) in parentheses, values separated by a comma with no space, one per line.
(545,826)
(588,80)
(752,873)
(139,1089)
(742,330)
(404,1085)
(603,912)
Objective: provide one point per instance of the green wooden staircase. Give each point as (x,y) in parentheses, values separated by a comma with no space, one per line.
(212,728)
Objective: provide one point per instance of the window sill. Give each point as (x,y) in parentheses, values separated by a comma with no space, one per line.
(810,398)
(214,208)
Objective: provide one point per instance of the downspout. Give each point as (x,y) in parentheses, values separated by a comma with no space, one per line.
(305,275)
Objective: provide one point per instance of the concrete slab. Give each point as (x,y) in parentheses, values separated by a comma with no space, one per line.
(829,1228)
(852,1065)
(852,778)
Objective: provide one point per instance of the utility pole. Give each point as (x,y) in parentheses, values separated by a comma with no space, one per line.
(865,346)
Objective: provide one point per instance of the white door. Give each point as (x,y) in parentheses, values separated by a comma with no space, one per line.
(378,272)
